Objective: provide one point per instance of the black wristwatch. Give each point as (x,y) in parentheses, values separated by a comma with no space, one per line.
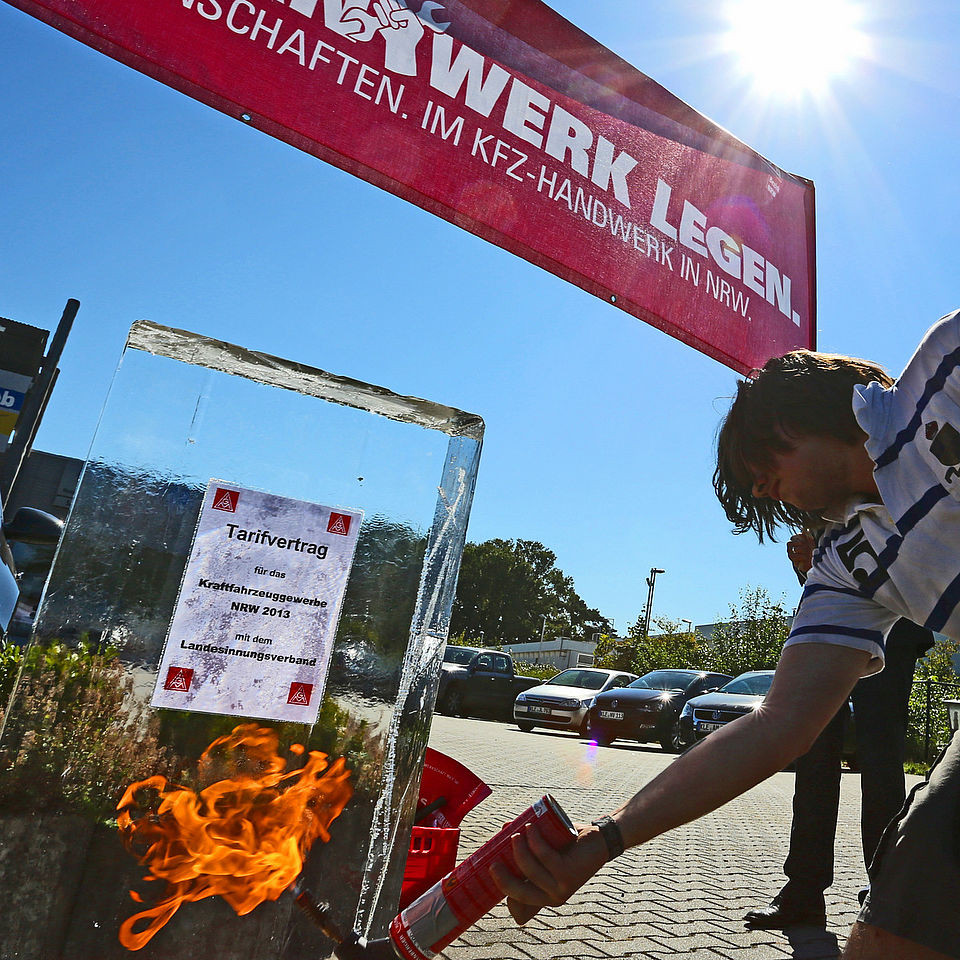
(612,836)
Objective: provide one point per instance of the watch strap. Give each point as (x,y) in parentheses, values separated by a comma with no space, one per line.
(612,836)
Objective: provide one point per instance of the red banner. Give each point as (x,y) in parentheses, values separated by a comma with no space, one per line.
(503,118)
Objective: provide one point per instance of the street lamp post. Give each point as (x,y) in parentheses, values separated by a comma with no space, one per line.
(543,629)
(689,624)
(651,583)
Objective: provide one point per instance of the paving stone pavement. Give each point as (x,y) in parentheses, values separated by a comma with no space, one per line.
(681,895)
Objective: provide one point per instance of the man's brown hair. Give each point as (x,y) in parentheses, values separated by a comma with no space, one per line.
(800,394)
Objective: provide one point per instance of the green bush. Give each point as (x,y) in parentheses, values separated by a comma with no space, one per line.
(11,656)
(542,671)
(77,737)
(936,672)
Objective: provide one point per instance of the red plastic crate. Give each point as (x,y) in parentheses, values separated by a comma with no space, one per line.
(432,855)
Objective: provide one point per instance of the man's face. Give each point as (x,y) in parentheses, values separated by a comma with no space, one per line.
(814,474)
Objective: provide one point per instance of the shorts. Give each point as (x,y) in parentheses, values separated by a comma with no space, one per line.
(915,874)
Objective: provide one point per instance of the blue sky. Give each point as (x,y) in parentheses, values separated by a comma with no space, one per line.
(142,203)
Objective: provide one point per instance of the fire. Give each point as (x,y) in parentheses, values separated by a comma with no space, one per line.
(243,838)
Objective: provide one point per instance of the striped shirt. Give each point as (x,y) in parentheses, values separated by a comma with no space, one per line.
(900,558)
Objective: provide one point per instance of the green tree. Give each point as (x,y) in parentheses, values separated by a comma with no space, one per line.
(935,679)
(615,653)
(668,648)
(506,586)
(751,638)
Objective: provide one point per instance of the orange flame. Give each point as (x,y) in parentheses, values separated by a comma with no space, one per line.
(243,838)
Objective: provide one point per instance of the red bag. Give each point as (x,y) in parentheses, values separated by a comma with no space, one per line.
(448,792)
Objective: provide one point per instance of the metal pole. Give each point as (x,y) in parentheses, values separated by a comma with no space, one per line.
(926,735)
(543,629)
(651,583)
(35,403)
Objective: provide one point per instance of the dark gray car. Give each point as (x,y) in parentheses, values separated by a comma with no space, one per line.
(702,715)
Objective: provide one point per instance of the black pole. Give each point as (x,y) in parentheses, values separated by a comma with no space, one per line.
(651,583)
(926,735)
(35,403)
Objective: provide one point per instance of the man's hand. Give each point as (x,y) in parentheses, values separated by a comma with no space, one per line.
(547,877)
(800,552)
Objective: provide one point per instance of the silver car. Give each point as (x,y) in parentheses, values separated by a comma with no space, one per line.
(563,701)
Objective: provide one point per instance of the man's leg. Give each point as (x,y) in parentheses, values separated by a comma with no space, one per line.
(809,863)
(816,802)
(880,709)
(915,873)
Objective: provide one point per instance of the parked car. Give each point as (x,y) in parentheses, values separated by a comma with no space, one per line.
(9,589)
(459,656)
(649,708)
(478,682)
(27,545)
(562,702)
(32,536)
(702,715)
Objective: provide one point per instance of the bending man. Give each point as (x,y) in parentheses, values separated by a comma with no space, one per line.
(818,440)
(880,704)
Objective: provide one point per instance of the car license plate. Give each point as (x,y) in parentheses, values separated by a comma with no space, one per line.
(706,727)
(539,710)
(611,715)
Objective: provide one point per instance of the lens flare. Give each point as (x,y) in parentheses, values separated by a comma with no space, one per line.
(585,772)
(796,49)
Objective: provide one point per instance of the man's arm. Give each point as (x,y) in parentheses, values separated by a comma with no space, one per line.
(811,683)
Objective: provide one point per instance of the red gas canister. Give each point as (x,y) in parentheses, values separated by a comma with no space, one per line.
(449,907)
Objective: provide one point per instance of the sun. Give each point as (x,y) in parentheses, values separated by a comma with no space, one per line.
(787,48)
